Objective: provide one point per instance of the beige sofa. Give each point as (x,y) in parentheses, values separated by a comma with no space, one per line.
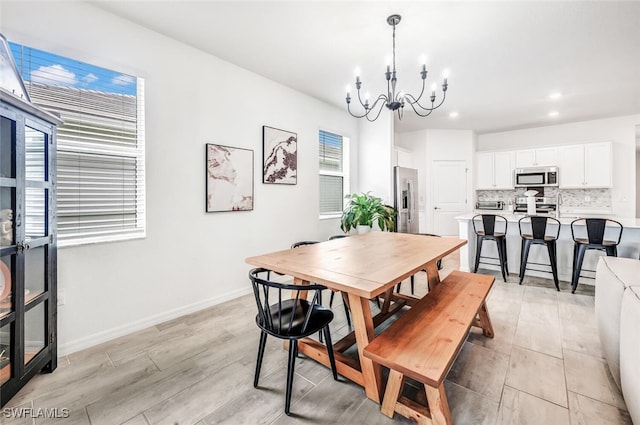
(617,305)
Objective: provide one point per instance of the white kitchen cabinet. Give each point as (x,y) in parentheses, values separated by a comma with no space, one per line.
(403,158)
(585,166)
(597,165)
(542,157)
(495,170)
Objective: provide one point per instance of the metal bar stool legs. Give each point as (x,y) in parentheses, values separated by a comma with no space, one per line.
(502,256)
(553,258)
(491,227)
(593,233)
(538,230)
(502,253)
(479,240)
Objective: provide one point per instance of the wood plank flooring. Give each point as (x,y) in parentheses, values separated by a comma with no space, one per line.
(544,366)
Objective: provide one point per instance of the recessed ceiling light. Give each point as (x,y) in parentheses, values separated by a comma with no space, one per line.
(453,114)
(555,96)
(553,114)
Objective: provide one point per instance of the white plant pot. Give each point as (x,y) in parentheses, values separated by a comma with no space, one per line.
(363,229)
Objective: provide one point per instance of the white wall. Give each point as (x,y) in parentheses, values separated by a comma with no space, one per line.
(638,183)
(375,156)
(189,259)
(619,130)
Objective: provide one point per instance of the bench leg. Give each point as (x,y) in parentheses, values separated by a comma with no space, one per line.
(438,405)
(485,320)
(391,394)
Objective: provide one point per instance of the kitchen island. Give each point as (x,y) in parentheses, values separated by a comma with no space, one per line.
(629,247)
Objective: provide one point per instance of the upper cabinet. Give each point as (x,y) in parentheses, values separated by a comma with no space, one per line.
(495,170)
(585,166)
(542,157)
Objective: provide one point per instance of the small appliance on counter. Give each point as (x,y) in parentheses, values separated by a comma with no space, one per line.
(543,205)
(489,205)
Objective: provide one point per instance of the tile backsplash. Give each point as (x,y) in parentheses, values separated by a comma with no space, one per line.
(575,198)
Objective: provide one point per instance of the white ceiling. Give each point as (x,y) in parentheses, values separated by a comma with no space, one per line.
(504,58)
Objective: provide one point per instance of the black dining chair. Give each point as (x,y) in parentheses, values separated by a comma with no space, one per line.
(290,317)
(346,307)
(538,230)
(593,233)
(491,227)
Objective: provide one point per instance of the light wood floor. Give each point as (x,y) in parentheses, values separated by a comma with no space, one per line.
(544,367)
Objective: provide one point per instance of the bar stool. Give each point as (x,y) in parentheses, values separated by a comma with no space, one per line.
(486,229)
(536,230)
(593,233)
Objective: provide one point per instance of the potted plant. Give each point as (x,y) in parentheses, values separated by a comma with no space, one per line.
(363,210)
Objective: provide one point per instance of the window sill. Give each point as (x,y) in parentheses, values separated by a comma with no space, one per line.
(330,216)
(100,239)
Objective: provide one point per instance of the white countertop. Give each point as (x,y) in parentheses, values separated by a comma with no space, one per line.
(566,218)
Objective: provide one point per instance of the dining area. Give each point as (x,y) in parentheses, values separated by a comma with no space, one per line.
(367,269)
(199,368)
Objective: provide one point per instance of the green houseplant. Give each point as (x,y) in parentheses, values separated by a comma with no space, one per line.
(364,209)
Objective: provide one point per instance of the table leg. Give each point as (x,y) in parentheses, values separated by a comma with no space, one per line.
(433,276)
(298,281)
(303,296)
(365,332)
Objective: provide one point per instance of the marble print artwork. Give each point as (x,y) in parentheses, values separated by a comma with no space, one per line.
(229,178)
(280,156)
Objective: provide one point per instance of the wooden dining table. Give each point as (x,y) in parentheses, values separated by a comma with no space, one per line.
(362,267)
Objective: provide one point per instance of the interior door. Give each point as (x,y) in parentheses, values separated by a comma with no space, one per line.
(449,191)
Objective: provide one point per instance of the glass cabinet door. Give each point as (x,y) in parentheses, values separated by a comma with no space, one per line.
(37,239)
(8,250)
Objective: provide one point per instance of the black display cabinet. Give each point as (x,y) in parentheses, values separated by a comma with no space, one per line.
(27,243)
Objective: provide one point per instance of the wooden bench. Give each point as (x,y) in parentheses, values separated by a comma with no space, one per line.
(423,343)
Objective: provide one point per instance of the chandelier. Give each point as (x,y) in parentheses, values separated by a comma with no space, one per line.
(392,100)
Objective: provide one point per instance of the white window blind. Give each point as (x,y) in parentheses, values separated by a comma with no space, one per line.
(100,151)
(332,172)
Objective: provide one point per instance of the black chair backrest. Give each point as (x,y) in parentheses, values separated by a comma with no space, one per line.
(537,227)
(338,237)
(596,230)
(302,243)
(489,224)
(280,306)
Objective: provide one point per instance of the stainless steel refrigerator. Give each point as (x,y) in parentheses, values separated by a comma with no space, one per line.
(406,199)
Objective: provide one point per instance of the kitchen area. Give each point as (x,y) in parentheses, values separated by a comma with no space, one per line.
(563,182)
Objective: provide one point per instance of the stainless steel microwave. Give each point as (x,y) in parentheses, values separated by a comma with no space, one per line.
(536,176)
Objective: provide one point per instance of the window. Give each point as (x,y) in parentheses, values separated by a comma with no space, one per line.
(333,158)
(100,151)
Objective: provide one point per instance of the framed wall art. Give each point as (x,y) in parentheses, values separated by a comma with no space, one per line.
(279,156)
(229,178)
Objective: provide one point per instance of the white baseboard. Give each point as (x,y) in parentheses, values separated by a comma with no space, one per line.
(109,334)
